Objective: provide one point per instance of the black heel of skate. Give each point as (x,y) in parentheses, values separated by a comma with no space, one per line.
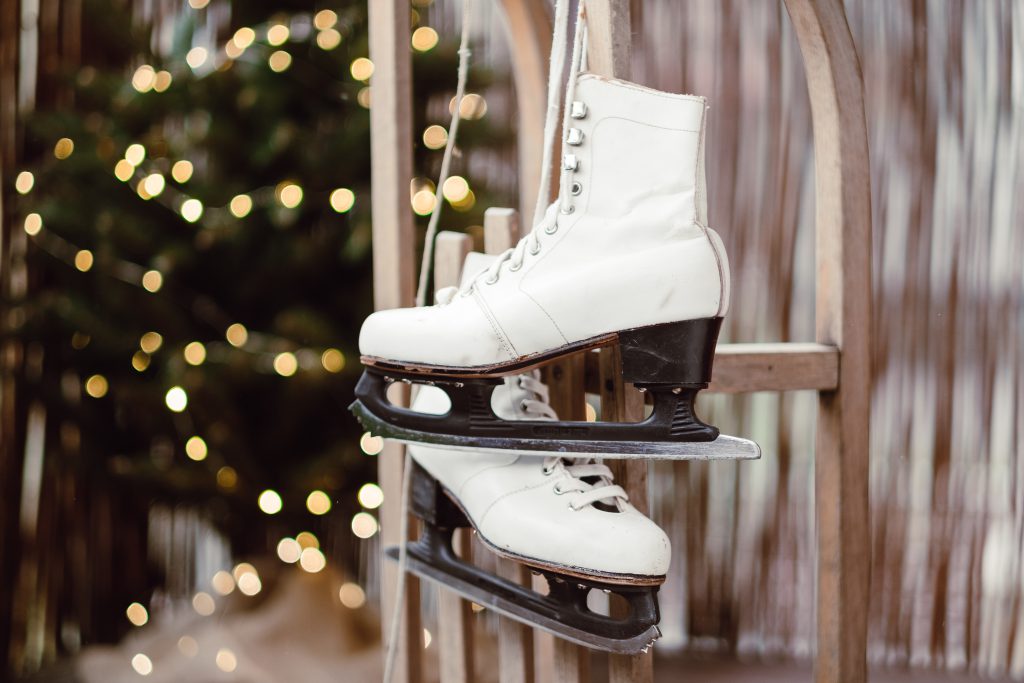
(429,502)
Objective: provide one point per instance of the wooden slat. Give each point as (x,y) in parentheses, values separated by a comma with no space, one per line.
(774,367)
(843,226)
(393,278)
(515,640)
(454,615)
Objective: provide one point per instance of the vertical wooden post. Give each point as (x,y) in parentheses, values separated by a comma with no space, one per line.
(843,197)
(454,615)
(393,274)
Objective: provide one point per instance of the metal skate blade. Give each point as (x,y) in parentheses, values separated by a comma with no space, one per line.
(516,611)
(725,447)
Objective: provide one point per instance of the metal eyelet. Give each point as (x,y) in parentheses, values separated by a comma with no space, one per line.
(557,490)
(551,229)
(548,471)
(575,189)
(513,267)
(568,210)
(534,252)
(490,281)
(522,405)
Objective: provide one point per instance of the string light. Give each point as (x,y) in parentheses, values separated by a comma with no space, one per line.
(142,664)
(270,502)
(33,223)
(162,81)
(289,194)
(137,614)
(198,4)
(192,210)
(226,660)
(150,342)
(423,202)
(24,182)
(244,37)
(455,188)
(140,360)
(305,539)
(195,353)
(352,595)
(279,61)
(188,646)
(237,335)
(196,57)
(361,69)
(328,39)
(227,478)
(312,560)
(124,170)
(96,386)
(79,340)
(152,281)
(83,260)
(154,184)
(249,584)
(135,154)
(473,107)
(223,583)
(325,19)
(427,638)
(232,50)
(435,136)
(289,550)
(332,360)
(285,364)
(318,502)
(342,199)
(466,203)
(144,78)
(242,568)
(370,496)
(176,399)
(363,97)
(203,604)
(277,34)
(64,148)
(364,525)
(195,448)
(424,39)
(181,171)
(370,444)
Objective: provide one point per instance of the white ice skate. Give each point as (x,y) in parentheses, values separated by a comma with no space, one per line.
(564,518)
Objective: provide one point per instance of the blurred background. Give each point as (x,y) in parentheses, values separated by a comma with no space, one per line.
(185,262)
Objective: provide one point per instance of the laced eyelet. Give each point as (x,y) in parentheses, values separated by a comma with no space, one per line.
(558,490)
(575,189)
(568,210)
(490,280)
(548,471)
(551,229)
(513,267)
(522,405)
(534,252)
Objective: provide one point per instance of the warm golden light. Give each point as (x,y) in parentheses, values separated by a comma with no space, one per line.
(195,448)
(243,568)
(312,560)
(363,97)
(33,223)
(162,81)
(182,171)
(150,342)
(227,478)
(140,360)
(188,646)
(152,281)
(318,502)
(63,148)
(137,614)
(240,206)
(435,136)
(285,364)
(277,34)
(144,78)
(79,340)
(342,199)
(370,444)
(198,4)
(424,38)
(244,37)
(332,360)
(96,386)
(279,61)
(191,210)
(140,189)
(83,260)
(135,154)
(289,550)
(364,525)
(237,335)
(423,202)
(352,596)
(427,638)
(226,660)
(123,170)
(232,50)
(325,19)
(361,69)
(473,107)
(142,664)
(290,195)
(196,57)
(249,584)
(176,399)
(591,413)
(154,184)
(328,39)
(203,604)
(270,502)
(223,583)
(24,182)
(195,353)
(466,203)
(371,496)
(455,188)
(306,539)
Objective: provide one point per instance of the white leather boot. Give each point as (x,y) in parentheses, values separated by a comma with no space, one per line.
(626,246)
(556,514)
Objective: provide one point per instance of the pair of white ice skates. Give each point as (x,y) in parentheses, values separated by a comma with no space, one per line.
(624,256)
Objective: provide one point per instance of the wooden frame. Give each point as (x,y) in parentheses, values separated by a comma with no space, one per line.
(837,365)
